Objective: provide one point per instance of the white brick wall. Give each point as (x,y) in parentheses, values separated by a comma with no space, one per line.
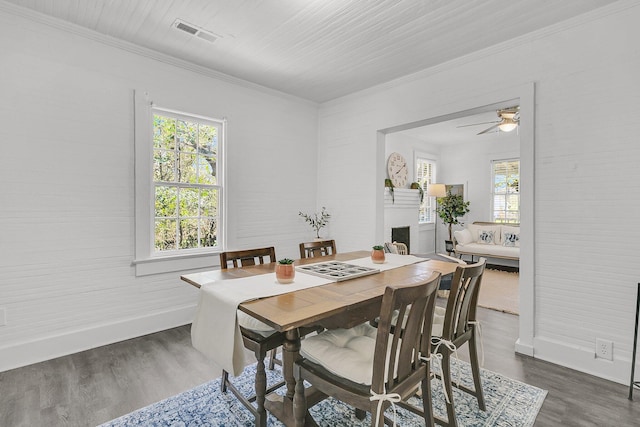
(66,186)
(587,122)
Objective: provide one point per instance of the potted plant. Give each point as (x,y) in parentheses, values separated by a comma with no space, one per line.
(450,208)
(388,184)
(285,271)
(317,220)
(377,254)
(417,186)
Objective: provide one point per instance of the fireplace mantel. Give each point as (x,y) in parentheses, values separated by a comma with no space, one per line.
(402,198)
(402,211)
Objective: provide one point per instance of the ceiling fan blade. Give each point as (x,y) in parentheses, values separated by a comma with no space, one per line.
(476,124)
(489,129)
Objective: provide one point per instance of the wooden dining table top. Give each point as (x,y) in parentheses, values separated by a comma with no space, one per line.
(338,304)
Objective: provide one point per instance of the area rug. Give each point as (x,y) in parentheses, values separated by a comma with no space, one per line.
(499,291)
(509,403)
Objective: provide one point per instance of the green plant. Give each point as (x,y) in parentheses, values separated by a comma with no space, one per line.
(378,247)
(389,185)
(417,186)
(317,220)
(450,208)
(285,261)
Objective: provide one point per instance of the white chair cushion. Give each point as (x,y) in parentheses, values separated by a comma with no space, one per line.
(344,352)
(251,323)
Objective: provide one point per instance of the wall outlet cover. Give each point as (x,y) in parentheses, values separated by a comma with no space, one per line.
(604,349)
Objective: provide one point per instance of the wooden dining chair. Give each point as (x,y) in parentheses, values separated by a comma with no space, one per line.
(457,324)
(247,257)
(317,248)
(352,365)
(445,283)
(256,336)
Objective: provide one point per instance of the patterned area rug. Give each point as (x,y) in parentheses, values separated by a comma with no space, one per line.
(509,403)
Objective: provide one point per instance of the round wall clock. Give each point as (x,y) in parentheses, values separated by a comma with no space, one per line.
(397,169)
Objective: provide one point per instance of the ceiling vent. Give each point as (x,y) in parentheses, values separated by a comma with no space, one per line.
(195,31)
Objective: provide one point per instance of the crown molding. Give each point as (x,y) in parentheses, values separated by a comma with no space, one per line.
(86,33)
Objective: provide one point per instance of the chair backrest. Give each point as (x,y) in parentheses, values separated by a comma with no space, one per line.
(318,248)
(463,299)
(395,358)
(247,257)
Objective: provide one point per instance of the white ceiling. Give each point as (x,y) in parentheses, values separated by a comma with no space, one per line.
(316,49)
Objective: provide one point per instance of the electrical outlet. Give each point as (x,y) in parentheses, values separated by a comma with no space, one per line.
(3,317)
(604,349)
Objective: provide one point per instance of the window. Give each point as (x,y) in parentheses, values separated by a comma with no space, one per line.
(179,188)
(505,198)
(426,175)
(186,188)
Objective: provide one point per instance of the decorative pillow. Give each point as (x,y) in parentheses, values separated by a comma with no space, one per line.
(390,248)
(511,240)
(463,237)
(511,236)
(486,237)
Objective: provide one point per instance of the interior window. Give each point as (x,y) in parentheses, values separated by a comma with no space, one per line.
(426,175)
(505,200)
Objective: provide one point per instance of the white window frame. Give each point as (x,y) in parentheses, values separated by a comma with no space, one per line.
(493,189)
(429,201)
(148,261)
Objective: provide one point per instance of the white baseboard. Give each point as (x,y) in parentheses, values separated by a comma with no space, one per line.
(30,352)
(525,349)
(583,360)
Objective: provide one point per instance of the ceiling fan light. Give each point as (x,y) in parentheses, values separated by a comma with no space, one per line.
(507,125)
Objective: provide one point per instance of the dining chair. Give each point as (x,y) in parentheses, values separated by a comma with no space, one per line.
(256,336)
(371,368)
(456,325)
(445,283)
(317,248)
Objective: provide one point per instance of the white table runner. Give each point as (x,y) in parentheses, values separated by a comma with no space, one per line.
(215,331)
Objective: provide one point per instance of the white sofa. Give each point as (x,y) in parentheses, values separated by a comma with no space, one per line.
(488,239)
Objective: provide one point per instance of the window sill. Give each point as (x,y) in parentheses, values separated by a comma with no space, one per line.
(168,264)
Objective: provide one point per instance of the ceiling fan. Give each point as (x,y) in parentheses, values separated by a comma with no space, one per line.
(509,120)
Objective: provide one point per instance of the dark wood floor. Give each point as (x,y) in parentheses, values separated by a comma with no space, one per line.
(92,387)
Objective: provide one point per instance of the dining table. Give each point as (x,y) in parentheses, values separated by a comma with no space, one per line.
(338,304)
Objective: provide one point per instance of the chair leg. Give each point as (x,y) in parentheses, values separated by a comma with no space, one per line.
(448,388)
(475,370)
(223,381)
(272,359)
(427,405)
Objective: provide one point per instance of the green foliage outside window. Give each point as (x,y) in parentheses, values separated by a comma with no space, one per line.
(185,176)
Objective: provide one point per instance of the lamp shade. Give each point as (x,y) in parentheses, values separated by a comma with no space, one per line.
(436,190)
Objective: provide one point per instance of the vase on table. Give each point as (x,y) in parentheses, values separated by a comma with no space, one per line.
(377,254)
(285,271)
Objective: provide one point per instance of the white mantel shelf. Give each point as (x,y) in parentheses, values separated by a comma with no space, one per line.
(404,198)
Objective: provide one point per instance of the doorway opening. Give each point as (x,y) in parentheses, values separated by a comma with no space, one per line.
(522,96)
